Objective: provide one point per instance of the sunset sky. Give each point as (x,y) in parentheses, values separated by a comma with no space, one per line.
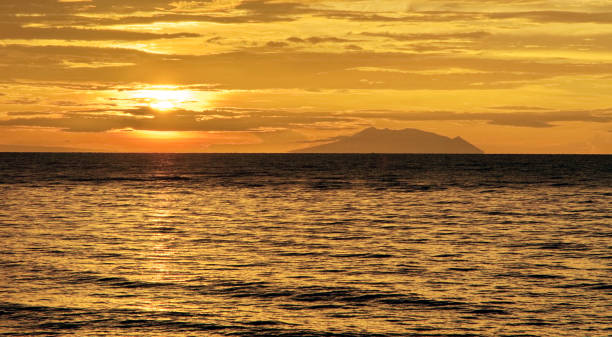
(511,76)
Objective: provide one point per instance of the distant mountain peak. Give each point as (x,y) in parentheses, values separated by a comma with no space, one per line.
(373,140)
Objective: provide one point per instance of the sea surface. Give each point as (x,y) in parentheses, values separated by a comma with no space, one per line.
(305,245)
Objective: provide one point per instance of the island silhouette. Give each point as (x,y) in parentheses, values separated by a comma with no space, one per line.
(373,140)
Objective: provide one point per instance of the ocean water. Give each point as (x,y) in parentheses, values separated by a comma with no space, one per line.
(305,245)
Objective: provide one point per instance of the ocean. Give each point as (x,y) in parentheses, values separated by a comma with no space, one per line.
(305,245)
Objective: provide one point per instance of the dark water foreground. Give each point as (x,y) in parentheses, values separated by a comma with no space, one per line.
(305,245)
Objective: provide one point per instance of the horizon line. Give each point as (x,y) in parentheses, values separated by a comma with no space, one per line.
(315,153)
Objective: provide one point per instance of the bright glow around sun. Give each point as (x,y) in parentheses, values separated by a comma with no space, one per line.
(163,105)
(161,134)
(163,99)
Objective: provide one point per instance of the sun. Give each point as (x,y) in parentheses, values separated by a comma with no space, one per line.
(162,105)
(163,99)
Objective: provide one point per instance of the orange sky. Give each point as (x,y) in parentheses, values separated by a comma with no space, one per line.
(512,76)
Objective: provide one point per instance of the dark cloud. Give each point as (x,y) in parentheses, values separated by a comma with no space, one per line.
(22,101)
(271,7)
(276,44)
(318,39)
(26,113)
(412,37)
(308,40)
(353,47)
(451,14)
(214,39)
(557,16)
(432,16)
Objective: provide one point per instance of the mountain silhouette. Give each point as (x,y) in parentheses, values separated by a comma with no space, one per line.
(374,140)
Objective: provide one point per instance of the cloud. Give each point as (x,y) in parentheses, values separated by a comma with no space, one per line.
(14,31)
(231,119)
(67,85)
(52,12)
(429,36)
(289,69)
(25,113)
(309,40)
(353,47)
(271,7)
(276,44)
(404,17)
(22,101)
(533,119)
(318,39)
(557,16)
(145,118)
(226,19)
(149,11)
(97,6)
(518,107)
